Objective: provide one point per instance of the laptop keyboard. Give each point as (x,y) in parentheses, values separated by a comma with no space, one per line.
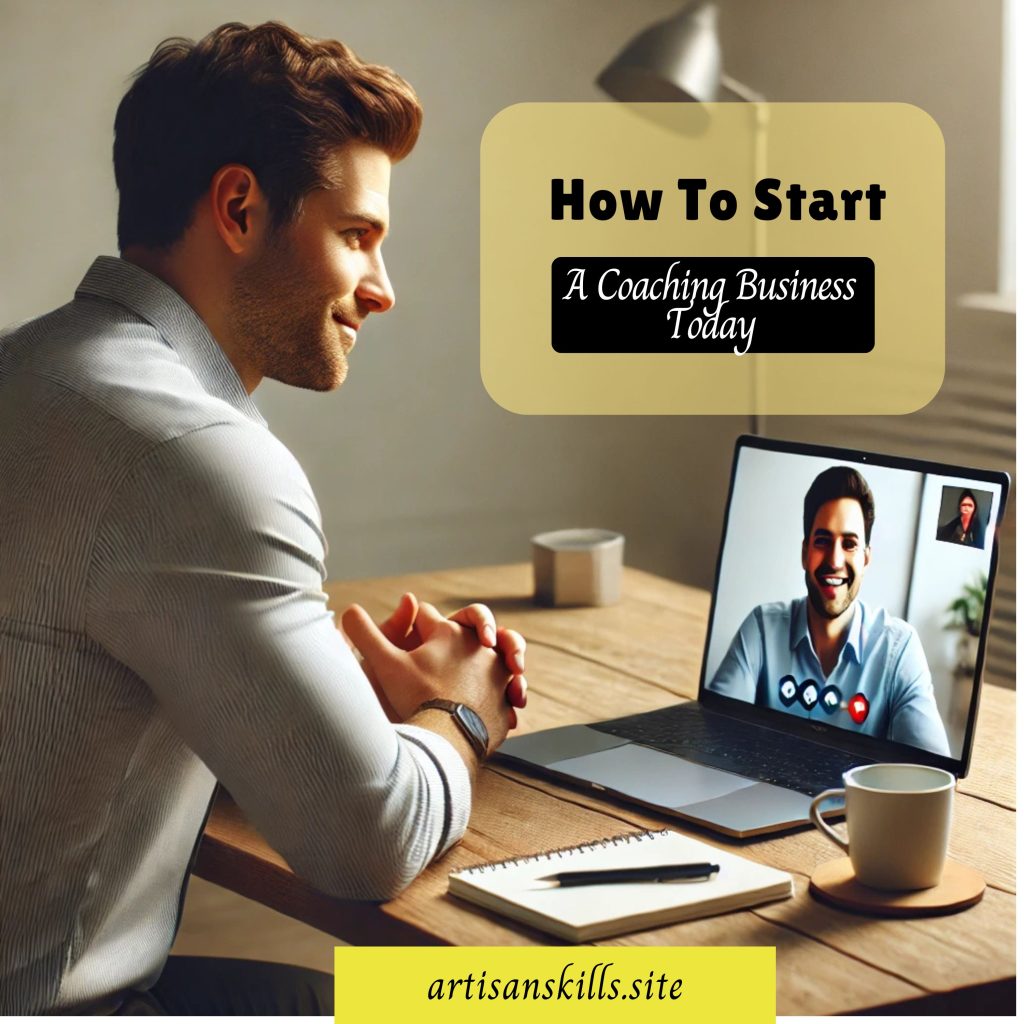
(694,734)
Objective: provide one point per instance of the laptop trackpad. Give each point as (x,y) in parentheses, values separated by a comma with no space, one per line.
(651,776)
(760,807)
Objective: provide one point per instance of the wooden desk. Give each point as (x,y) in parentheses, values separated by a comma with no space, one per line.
(592,663)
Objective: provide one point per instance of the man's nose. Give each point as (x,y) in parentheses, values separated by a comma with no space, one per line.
(835,555)
(375,288)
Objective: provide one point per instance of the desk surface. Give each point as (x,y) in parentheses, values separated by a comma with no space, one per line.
(591,663)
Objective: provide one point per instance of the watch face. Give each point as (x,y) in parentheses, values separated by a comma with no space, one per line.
(473,727)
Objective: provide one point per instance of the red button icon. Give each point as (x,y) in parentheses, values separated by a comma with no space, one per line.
(859,708)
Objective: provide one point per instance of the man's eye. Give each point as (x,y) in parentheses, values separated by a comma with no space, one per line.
(850,545)
(354,235)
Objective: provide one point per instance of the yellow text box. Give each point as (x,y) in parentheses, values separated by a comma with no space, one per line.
(613,148)
(593,984)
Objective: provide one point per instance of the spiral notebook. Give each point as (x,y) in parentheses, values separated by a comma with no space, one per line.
(583,913)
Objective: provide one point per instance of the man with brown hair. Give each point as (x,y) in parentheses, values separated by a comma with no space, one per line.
(828,657)
(162,618)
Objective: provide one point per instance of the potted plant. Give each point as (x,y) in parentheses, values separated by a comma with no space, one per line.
(965,615)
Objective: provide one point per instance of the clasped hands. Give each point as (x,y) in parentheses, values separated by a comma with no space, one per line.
(417,654)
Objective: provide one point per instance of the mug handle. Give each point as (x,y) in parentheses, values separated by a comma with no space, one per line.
(817,819)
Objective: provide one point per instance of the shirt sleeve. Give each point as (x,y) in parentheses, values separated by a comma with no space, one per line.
(914,715)
(206,582)
(738,673)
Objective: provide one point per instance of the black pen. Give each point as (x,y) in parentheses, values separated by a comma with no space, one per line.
(659,873)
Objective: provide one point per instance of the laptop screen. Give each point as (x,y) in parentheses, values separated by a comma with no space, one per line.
(853,592)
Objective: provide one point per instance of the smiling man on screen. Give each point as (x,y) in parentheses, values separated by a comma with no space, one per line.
(163,622)
(829,657)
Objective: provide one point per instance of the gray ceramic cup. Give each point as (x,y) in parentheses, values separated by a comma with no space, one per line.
(577,567)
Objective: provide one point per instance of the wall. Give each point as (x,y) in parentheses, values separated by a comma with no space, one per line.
(941,571)
(945,57)
(413,465)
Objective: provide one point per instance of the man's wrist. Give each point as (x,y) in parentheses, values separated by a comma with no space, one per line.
(440,724)
(467,721)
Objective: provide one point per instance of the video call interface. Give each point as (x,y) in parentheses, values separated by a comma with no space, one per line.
(861,611)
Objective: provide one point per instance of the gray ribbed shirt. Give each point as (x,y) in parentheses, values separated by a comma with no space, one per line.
(163,623)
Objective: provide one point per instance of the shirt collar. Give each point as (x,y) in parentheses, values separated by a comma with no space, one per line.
(156,302)
(799,631)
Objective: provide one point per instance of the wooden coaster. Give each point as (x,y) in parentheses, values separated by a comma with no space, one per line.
(960,887)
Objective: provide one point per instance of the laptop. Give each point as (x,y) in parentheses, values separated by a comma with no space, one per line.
(863,643)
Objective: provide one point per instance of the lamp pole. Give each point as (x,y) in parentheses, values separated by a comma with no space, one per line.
(679,60)
(761,115)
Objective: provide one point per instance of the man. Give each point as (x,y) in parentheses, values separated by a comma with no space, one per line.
(829,657)
(162,617)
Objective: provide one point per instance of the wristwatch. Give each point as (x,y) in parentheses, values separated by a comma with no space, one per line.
(468,721)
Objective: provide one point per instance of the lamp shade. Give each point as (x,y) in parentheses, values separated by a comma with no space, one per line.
(677,60)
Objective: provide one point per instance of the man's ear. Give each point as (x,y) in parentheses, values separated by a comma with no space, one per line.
(867,555)
(803,555)
(238,206)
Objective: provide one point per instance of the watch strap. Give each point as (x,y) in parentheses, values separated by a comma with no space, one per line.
(479,741)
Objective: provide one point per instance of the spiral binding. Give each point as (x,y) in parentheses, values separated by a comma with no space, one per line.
(623,839)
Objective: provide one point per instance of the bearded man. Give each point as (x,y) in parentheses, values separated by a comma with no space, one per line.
(828,657)
(163,623)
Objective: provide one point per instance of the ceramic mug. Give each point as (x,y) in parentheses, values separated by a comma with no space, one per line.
(898,818)
(577,567)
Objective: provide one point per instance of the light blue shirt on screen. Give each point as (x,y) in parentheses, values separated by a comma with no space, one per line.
(771,662)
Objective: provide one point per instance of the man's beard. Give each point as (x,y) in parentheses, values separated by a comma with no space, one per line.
(287,333)
(843,600)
